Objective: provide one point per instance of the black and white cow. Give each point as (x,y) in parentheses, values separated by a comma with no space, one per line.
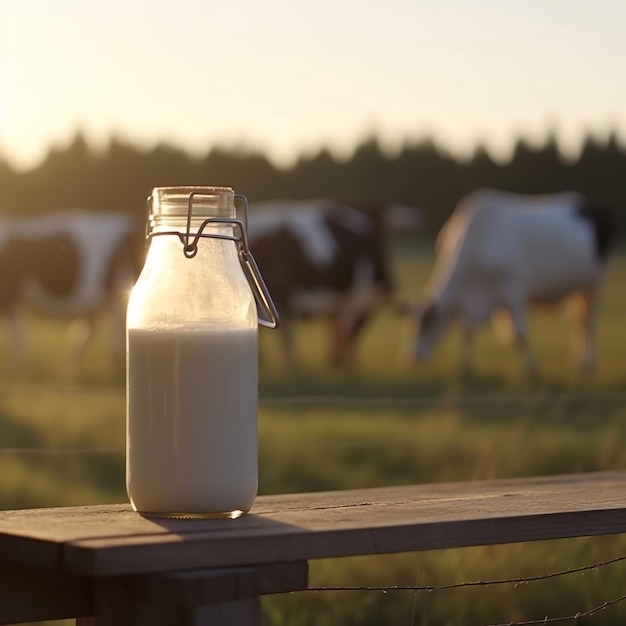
(320,257)
(71,264)
(501,253)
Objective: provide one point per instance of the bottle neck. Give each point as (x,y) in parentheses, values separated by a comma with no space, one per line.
(186,209)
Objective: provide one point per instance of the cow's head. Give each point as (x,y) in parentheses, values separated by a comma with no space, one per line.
(430,322)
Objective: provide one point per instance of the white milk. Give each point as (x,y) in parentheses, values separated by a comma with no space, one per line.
(192,420)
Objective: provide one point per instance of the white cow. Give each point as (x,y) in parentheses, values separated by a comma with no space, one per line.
(500,252)
(71,264)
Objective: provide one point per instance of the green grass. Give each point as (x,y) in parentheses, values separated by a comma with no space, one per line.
(385,422)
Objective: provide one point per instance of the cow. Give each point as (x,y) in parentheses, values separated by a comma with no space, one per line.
(68,264)
(322,257)
(499,253)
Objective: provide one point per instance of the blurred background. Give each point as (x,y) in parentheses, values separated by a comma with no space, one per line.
(412,101)
(404,102)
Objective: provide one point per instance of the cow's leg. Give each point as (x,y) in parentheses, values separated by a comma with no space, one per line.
(347,324)
(17,339)
(342,326)
(586,312)
(338,337)
(520,331)
(466,361)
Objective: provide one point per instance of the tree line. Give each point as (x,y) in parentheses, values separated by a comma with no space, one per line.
(421,174)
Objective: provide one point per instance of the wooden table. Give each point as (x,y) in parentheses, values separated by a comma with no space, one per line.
(109,562)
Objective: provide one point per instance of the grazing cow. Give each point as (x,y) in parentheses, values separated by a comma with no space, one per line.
(70,264)
(501,252)
(320,257)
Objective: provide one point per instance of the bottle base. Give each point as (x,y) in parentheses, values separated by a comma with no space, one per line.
(175,515)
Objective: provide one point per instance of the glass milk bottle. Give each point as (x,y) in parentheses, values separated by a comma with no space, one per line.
(192,359)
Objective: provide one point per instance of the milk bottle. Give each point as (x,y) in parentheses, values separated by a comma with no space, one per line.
(192,355)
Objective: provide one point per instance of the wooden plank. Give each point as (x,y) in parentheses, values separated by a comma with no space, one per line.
(30,595)
(112,540)
(209,586)
(375,521)
(200,586)
(282,577)
(63,524)
(111,556)
(69,523)
(194,598)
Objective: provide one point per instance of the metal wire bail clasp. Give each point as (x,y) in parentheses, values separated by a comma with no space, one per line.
(253,274)
(268,315)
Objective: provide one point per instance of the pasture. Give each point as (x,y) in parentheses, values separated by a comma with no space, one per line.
(386,422)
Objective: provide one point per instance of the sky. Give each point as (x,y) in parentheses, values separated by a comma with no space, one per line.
(288,77)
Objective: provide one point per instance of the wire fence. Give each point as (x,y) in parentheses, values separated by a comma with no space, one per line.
(460,401)
(572,617)
(339,400)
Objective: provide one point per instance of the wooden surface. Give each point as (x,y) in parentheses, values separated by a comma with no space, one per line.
(113,540)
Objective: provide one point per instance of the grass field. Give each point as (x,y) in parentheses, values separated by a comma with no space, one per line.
(387,422)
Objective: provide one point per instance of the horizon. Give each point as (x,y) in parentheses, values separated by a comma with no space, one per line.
(567,152)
